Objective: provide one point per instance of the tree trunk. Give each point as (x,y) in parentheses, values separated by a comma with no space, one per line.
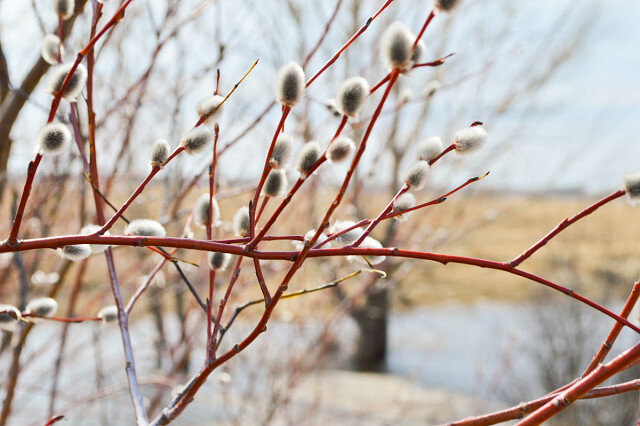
(372,318)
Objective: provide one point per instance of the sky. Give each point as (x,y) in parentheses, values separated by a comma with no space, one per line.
(578,133)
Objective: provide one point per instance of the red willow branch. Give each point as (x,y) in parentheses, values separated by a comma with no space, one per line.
(235,86)
(576,391)
(283,204)
(33,165)
(177,151)
(364,222)
(223,303)
(380,217)
(123,318)
(212,271)
(525,408)
(615,331)
(325,31)
(564,224)
(265,170)
(54,242)
(348,43)
(292,295)
(180,403)
(435,63)
(143,287)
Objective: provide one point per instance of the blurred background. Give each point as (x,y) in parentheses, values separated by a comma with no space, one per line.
(555,83)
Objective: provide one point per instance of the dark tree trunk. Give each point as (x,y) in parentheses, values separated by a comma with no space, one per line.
(371,351)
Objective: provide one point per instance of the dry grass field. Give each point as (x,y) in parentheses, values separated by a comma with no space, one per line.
(594,256)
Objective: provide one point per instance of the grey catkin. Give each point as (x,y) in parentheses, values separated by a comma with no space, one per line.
(52,49)
(430,148)
(281,153)
(340,149)
(469,139)
(76,81)
(241,222)
(159,153)
(211,108)
(348,237)
(218,261)
(290,85)
(631,185)
(92,229)
(64,8)
(75,252)
(416,176)
(145,228)
(9,317)
(418,52)
(403,202)
(201,211)
(368,242)
(196,139)
(307,158)
(52,139)
(108,314)
(42,306)
(351,95)
(396,44)
(276,183)
(445,5)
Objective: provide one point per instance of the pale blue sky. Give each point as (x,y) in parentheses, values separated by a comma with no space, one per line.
(581,131)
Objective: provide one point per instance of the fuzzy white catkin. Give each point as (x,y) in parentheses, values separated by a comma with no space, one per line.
(108,313)
(348,237)
(340,149)
(208,106)
(331,106)
(405,96)
(281,153)
(368,242)
(159,153)
(241,222)
(92,229)
(416,176)
(631,185)
(276,183)
(403,202)
(396,44)
(218,261)
(196,139)
(64,8)
(290,85)
(430,148)
(8,319)
(145,228)
(52,139)
(41,279)
(306,241)
(76,82)
(42,306)
(445,5)
(201,211)
(52,49)
(432,87)
(75,252)
(351,95)
(421,47)
(307,158)
(469,139)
